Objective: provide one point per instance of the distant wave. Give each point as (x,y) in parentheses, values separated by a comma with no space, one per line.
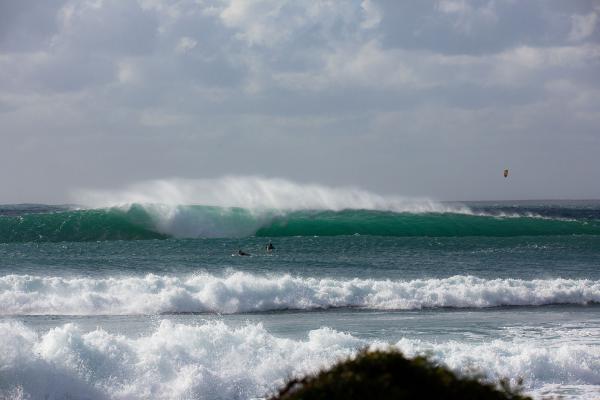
(214,360)
(79,225)
(155,221)
(251,206)
(241,292)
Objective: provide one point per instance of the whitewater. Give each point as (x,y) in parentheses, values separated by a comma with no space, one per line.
(138,292)
(242,293)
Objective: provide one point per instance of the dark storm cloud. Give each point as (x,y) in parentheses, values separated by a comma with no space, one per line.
(416,98)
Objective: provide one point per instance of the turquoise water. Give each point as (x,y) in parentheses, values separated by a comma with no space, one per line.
(91,311)
(54,224)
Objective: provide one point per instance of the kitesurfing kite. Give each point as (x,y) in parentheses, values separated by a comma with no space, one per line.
(506,173)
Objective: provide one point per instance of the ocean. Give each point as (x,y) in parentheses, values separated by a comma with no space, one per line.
(152,301)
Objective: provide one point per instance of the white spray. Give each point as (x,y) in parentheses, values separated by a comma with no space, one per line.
(255,193)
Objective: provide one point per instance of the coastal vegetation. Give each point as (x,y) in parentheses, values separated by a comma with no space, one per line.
(390,375)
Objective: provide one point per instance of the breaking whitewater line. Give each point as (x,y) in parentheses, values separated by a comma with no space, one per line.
(241,292)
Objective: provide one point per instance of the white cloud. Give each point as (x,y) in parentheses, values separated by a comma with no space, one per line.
(185,44)
(371,66)
(453,6)
(366,65)
(257,22)
(128,72)
(272,22)
(522,61)
(372,14)
(467,17)
(582,26)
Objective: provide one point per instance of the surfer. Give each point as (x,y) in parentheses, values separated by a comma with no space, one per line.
(242,253)
(269,247)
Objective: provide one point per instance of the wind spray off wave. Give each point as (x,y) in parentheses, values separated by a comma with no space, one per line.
(256,194)
(241,207)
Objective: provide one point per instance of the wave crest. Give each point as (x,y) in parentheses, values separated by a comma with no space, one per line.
(241,292)
(156,221)
(246,206)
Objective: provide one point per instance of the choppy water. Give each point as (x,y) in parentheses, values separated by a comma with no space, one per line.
(88,310)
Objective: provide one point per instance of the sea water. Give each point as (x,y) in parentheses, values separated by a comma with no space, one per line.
(152,300)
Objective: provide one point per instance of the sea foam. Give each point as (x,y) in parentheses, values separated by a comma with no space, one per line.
(207,361)
(211,360)
(239,292)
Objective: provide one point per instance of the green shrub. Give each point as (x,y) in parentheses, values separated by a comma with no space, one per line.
(389,375)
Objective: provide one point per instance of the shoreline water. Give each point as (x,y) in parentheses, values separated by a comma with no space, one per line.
(500,344)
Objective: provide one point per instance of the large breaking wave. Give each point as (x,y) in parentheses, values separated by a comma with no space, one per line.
(241,292)
(140,221)
(240,207)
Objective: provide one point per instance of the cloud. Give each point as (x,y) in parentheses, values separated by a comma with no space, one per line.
(337,92)
(373,67)
(453,6)
(28,25)
(260,22)
(467,16)
(274,22)
(582,26)
(128,72)
(373,14)
(365,65)
(185,44)
(105,27)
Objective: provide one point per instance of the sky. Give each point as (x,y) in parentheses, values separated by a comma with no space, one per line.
(413,98)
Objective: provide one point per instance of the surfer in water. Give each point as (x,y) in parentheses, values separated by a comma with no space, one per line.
(242,253)
(269,247)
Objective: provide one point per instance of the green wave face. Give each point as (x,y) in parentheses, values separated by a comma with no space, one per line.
(80,225)
(350,222)
(159,222)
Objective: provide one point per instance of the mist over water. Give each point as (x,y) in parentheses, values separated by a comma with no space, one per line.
(254,193)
